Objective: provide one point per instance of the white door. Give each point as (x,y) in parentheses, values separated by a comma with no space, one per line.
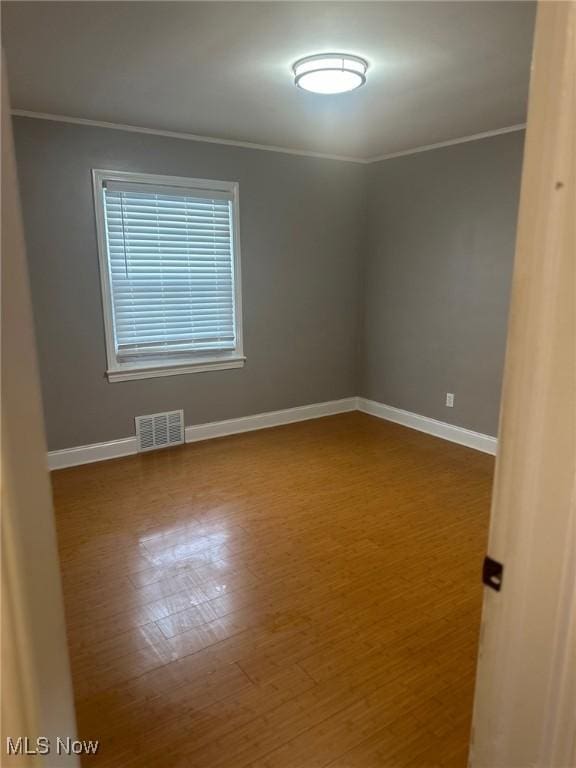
(36,687)
(525,707)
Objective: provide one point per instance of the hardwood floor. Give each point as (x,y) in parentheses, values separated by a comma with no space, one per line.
(298,597)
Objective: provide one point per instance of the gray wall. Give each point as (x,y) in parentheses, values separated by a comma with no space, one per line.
(438,270)
(301,225)
(390,281)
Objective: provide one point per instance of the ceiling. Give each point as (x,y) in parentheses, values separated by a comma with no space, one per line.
(438,70)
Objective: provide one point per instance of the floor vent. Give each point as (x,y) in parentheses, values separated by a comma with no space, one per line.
(159,430)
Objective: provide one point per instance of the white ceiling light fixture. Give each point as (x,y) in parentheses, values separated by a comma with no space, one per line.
(330,73)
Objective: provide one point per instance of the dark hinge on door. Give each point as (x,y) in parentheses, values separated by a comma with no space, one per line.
(492,573)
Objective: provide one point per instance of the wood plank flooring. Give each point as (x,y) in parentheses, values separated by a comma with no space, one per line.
(298,597)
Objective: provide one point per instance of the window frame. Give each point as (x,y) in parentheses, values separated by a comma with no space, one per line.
(197,362)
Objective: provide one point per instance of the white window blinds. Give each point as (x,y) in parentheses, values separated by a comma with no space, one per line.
(171,269)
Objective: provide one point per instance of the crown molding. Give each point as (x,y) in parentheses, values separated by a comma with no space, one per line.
(262,147)
(450,143)
(180,135)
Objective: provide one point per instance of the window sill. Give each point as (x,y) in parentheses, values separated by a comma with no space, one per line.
(129,372)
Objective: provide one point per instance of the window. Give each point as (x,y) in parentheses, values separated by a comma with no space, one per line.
(170,270)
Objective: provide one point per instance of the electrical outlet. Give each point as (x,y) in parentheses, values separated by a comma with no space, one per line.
(449,400)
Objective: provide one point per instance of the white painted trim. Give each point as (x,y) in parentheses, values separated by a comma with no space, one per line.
(129,373)
(263,147)
(270,419)
(86,454)
(477,440)
(449,143)
(180,135)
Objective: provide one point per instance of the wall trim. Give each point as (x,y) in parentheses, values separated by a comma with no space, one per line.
(86,454)
(180,135)
(127,446)
(449,143)
(269,419)
(264,147)
(467,437)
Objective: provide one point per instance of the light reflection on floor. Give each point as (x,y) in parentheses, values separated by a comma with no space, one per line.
(277,600)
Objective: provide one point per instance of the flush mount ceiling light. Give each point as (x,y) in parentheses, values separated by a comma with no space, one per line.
(330,73)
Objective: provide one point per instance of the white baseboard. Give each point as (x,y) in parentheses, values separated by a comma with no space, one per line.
(270,419)
(477,440)
(86,454)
